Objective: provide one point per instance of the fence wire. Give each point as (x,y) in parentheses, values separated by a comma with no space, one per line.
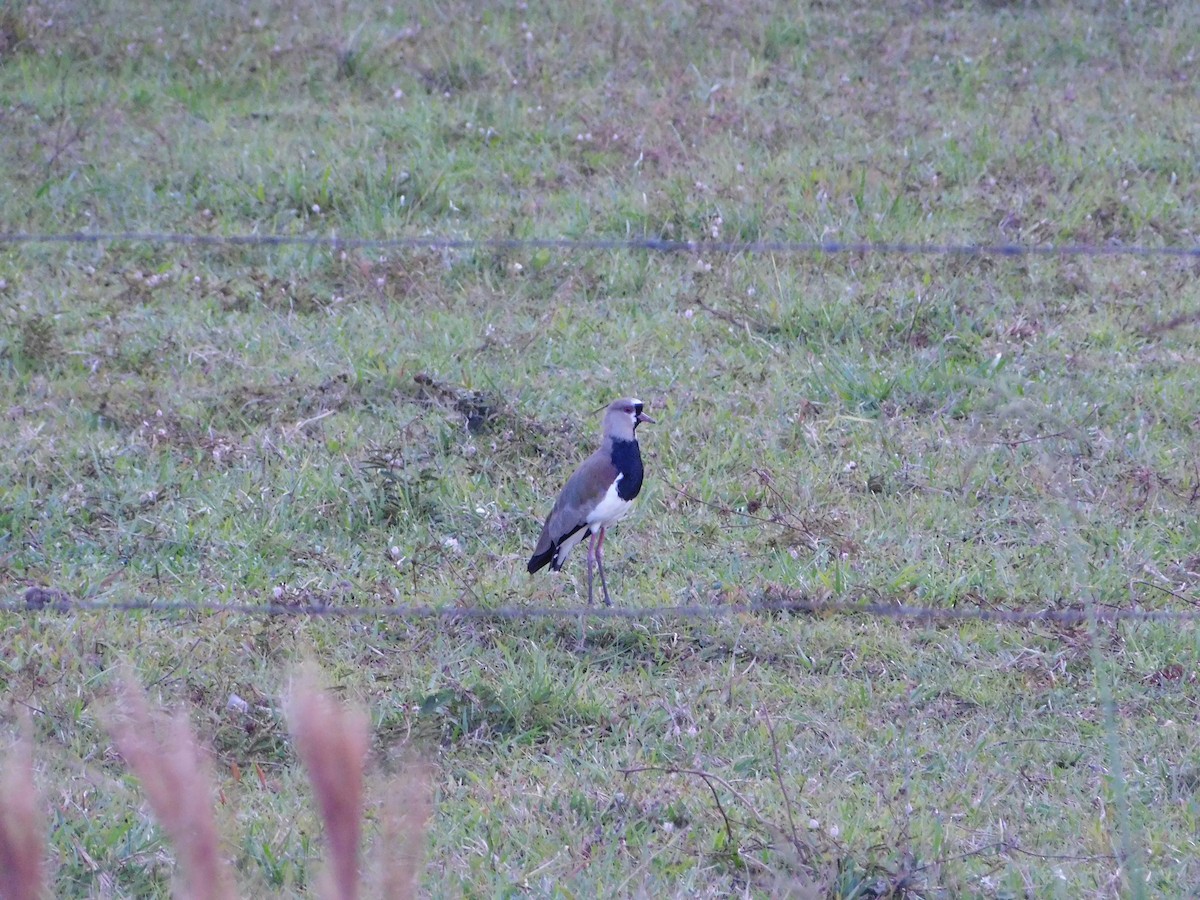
(39,600)
(644,244)
(42,600)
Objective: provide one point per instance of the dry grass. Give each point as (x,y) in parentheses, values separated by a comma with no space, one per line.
(405,817)
(173,770)
(21,829)
(332,742)
(174,773)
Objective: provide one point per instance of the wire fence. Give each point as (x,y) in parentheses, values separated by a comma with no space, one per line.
(643,244)
(776,605)
(42,600)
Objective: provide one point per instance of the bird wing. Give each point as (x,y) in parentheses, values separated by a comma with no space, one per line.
(583,490)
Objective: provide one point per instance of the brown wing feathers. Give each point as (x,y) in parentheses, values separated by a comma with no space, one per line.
(583,490)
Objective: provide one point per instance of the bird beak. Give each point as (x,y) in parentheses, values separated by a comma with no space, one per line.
(642,417)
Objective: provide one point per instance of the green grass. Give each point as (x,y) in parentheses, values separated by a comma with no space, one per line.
(228,424)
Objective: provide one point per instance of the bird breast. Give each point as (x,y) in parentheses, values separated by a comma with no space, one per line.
(611,508)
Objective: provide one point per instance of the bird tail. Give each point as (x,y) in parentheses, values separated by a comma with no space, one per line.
(539,560)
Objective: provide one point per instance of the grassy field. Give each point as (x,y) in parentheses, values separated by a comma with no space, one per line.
(258,424)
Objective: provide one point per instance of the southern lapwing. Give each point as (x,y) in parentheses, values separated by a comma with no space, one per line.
(597,496)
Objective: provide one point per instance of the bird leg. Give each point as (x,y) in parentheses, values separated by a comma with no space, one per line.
(591,560)
(600,566)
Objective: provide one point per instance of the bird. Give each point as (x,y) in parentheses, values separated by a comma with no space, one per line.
(597,496)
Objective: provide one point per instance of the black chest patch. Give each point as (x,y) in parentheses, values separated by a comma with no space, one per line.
(627,458)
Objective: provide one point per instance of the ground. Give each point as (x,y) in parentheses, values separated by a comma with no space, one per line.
(384,426)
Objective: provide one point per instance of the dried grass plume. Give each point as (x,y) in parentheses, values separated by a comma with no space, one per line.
(174,773)
(21,831)
(332,740)
(407,808)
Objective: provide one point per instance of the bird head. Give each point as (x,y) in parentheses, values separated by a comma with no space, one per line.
(623,417)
